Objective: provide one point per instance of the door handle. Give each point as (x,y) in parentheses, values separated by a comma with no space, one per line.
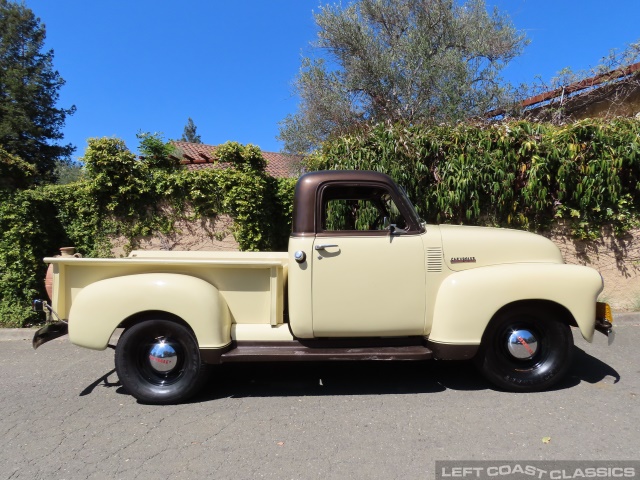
(324,245)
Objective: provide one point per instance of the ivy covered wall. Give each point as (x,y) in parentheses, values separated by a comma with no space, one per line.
(128,197)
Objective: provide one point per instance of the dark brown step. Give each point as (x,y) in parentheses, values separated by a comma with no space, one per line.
(296,352)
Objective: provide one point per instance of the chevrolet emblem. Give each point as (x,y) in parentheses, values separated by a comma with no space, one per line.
(463,260)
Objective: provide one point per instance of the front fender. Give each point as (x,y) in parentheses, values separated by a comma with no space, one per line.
(468,300)
(100,307)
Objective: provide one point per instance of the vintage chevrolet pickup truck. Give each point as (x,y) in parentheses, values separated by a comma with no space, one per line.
(364,279)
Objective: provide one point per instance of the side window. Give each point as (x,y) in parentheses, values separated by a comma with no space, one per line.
(359,209)
(351,214)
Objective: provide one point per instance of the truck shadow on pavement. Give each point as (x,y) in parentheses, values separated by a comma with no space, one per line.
(586,368)
(372,378)
(283,379)
(104,380)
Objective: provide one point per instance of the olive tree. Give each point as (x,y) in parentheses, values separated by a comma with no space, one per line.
(410,60)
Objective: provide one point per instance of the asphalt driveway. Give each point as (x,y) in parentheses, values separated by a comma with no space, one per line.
(65,416)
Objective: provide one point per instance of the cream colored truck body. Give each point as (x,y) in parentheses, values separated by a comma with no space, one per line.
(409,289)
(443,284)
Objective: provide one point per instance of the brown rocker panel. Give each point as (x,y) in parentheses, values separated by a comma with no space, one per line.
(297,352)
(452,352)
(407,348)
(412,348)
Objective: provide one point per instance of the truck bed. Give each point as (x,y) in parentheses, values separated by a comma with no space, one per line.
(251,283)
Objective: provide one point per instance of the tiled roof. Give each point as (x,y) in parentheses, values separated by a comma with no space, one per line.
(608,79)
(197,156)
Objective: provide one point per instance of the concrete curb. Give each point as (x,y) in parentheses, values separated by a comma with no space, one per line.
(626,317)
(7,334)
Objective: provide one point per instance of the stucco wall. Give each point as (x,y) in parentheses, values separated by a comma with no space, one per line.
(207,234)
(617,260)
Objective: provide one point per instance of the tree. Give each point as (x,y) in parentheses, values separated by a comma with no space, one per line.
(389,60)
(15,173)
(30,121)
(189,134)
(69,172)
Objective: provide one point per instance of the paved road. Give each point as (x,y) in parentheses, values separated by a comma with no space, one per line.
(63,415)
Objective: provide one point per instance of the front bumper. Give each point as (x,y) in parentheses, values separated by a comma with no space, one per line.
(604,321)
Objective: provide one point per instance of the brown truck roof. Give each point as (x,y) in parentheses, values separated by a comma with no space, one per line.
(308,186)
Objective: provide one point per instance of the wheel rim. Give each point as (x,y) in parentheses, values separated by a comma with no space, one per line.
(161,361)
(522,344)
(163,357)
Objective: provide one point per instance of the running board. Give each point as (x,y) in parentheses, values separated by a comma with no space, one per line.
(296,352)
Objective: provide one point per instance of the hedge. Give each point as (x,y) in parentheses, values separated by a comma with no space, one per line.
(516,174)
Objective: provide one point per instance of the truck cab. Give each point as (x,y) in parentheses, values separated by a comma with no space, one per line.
(357,258)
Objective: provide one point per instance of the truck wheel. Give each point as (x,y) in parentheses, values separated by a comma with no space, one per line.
(158,362)
(525,351)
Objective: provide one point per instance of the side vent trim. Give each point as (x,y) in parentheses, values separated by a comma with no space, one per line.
(434,259)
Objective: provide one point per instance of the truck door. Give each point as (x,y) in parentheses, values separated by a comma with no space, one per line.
(368,268)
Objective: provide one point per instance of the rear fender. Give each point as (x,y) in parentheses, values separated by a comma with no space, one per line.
(100,307)
(468,300)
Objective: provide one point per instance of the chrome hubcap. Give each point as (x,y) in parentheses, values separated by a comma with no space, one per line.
(162,356)
(522,344)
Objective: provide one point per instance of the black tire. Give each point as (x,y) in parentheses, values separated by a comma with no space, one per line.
(508,361)
(173,374)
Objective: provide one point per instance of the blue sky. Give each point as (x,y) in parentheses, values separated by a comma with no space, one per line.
(142,65)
